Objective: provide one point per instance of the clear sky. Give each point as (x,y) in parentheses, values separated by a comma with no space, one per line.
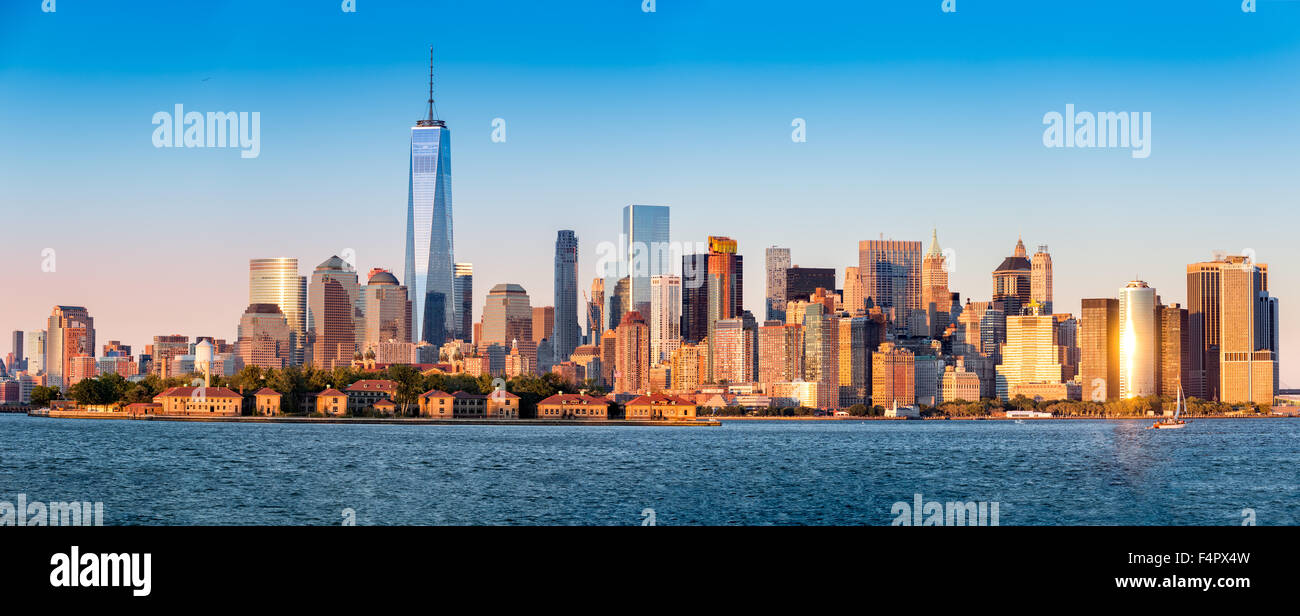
(915,118)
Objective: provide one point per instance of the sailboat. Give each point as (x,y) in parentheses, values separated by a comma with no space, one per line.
(1172,422)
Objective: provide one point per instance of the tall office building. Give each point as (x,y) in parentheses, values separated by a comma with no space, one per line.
(1040,279)
(1030,354)
(1012,281)
(695,297)
(464,301)
(854,346)
(1248,340)
(778,260)
(891,276)
(165,348)
(1206,312)
(332,316)
(507,316)
(18,347)
(1137,340)
(70,333)
(665,317)
(564,337)
(543,322)
(35,343)
(855,297)
(780,353)
(725,282)
(264,338)
(596,312)
(1175,350)
(893,376)
(802,282)
(936,300)
(1099,332)
(389,311)
(733,345)
(646,254)
(429,249)
(276,281)
(821,354)
(632,355)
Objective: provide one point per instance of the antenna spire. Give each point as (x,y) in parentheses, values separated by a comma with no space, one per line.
(429,118)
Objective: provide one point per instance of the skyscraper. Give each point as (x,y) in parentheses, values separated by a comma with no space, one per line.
(507,316)
(1138,333)
(1040,279)
(935,297)
(695,297)
(725,285)
(276,281)
(596,312)
(1011,281)
(632,355)
(891,276)
(18,346)
(780,353)
(1175,349)
(565,337)
(429,250)
(388,311)
(801,282)
(1099,349)
(1248,342)
(645,229)
(893,376)
(821,354)
(543,322)
(464,301)
(732,347)
(264,337)
(665,317)
(70,333)
(1030,354)
(332,314)
(35,351)
(778,260)
(855,299)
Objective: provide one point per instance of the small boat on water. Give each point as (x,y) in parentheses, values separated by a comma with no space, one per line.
(1172,423)
(1020,421)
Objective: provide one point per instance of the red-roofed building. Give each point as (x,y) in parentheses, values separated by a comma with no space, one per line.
(660,406)
(331,402)
(572,406)
(437,404)
(212,401)
(363,394)
(268,401)
(385,407)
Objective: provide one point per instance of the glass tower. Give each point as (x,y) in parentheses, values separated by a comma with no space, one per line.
(429,263)
(276,281)
(645,229)
(565,336)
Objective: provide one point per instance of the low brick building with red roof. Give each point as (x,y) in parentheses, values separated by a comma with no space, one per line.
(572,406)
(659,406)
(211,401)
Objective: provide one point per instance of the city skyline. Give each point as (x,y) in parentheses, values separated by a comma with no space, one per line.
(1098,213)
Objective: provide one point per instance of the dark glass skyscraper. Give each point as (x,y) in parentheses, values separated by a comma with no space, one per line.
(428,223)
(565,337)
(464,301)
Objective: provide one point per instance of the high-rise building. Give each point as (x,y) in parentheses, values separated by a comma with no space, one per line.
(1206,327)
(1248,340)
(18,346)
(596,312)
(725,283)
(608,356)
(935,297)
(665,317)
(1040,279)
(1030,354)
(464,301)
(333,318)
(276,281)
(1012,281)
(264,338)
(853,341)
(893,376)
(1099,331)
(695,297)
(389,311)
(429,249)
(802,282)
(632,355)
(689,363)
(507,316)
(543,322)
(891,276)
(778,260)
(645,229)
(780,353)
(1175,350)
(1138,334)
(821,354)
(566,332)
(733,344)
(855,297)
(165,348)
(35,343)
(70,333)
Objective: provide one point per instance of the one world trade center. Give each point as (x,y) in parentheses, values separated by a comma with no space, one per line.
(429,273)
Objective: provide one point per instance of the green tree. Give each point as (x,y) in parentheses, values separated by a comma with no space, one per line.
(41,395)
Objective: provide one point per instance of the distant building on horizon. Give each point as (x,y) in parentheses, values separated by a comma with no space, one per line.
(777,261)
(566,333)
(70,332)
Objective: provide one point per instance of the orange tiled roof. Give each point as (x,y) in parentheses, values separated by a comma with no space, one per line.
(331,392)
(383,385)
(572,399)
(660,399)
(266,391)
(208,392)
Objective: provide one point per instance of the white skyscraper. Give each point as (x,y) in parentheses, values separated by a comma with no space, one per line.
(665,317)
(1138,355)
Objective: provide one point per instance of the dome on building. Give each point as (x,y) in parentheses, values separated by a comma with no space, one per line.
(383,277)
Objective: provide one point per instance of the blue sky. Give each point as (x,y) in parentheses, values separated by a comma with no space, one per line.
(915,118)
